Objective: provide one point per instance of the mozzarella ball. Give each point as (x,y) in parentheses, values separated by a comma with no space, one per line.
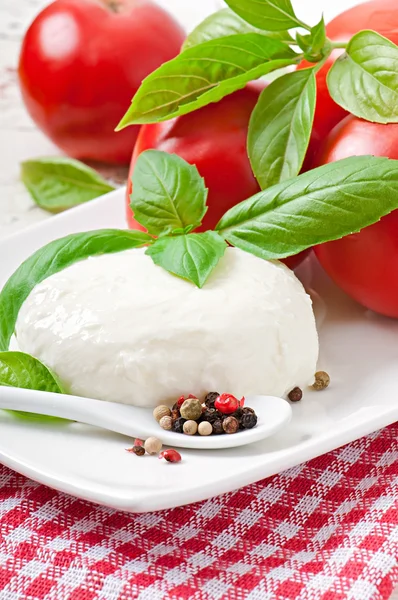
(117,327)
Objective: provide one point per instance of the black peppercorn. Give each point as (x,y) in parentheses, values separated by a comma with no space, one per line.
(217,427)
(211,398)
(238,413)
(295,395)
(211,415)
(230,425)
(178,425)
(247,409)
(249,420)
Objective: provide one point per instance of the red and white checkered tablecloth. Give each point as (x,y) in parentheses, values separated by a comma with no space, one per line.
(325,530)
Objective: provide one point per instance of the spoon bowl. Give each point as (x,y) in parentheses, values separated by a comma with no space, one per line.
(273,413)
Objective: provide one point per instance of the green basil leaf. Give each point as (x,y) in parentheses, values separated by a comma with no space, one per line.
(21,370)
(225,22)
(313,43)
(169,195)
(280,127)
(364,80)
(324,204)
(55,257)
(272,15)
(59,183)
(205,74)
(318,36)
(191,257)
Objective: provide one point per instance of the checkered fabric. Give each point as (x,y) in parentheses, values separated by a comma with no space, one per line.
(325,530)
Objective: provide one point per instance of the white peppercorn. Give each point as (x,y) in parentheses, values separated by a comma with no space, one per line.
(205,428)
(153,445)
(166,422)
(190,427)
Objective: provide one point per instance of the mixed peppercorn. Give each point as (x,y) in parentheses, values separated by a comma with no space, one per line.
(153,446)
(217,415)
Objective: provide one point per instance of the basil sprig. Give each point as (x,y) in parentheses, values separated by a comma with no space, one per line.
(250,39)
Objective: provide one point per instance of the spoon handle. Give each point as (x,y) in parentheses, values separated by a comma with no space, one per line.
(108,415)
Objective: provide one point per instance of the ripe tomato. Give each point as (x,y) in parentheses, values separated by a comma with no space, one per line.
(81,63)
(379,15)
(364,265)
(214,139)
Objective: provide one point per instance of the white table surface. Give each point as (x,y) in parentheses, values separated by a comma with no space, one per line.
(20,139)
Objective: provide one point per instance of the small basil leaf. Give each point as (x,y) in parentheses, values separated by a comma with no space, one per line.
(205,74)
(58,183)
(55,257)
(169,195)
(225,22)
(24,371)
(318,36)
(272,15)
(191,257)
(321,205)
(364,80)
(280,127)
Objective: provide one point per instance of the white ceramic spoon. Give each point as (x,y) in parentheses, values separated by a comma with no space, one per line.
(273,413)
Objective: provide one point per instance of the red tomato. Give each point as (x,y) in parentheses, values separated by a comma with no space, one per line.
(379,15)
(81,63)
(214,139)
(364,265)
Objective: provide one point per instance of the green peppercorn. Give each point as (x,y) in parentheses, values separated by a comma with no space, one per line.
(322,380)
(191,409)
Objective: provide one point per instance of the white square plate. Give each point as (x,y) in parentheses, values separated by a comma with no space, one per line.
(358,349)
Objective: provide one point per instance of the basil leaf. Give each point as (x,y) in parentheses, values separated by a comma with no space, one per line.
(313,43)
(191,257)
(280,127)
(225,22)
(55,257)
(318,36)
(364,80)
(59,183)
(272,15)
(204,74)
(324,204)
(168,195)
(24,371)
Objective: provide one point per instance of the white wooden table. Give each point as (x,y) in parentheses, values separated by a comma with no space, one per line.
(20,139)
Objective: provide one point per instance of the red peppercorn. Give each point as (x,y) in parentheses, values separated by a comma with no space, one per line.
(170,455)
(138,442)
(180,401)
(226,403)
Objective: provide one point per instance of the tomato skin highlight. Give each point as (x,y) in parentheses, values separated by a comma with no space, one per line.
(214,139)
(81,63)
(365,264)
(379,15)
